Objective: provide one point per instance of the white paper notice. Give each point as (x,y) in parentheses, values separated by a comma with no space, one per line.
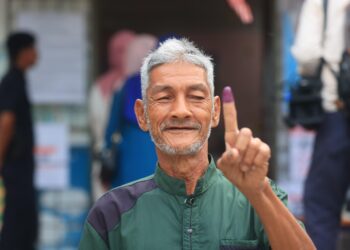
(60,74)
(52,156)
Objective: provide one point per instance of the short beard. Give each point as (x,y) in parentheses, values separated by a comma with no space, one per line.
(167,149)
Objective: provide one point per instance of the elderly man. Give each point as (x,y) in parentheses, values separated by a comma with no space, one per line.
(188,203)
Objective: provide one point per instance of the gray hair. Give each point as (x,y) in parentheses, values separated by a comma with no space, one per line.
(176,50)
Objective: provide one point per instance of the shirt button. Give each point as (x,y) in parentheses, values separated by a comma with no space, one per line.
(190,230)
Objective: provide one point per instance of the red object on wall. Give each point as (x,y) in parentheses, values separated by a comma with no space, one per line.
(242,9)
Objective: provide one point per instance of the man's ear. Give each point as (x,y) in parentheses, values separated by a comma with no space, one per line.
(216,115)
(140,115)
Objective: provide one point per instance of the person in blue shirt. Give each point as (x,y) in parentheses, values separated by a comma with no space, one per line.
(123,136)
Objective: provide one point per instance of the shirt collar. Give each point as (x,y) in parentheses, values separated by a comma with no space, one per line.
(176,186)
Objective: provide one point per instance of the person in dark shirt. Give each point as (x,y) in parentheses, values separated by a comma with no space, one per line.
(16,147)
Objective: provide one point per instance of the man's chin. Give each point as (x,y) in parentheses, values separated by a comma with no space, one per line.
(178,150)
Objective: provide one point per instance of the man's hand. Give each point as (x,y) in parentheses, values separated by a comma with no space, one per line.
(7,124)
(245,161)
(245,164)
(242,9)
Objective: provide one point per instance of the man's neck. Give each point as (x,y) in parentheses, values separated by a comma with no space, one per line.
(20,65)
(189,168)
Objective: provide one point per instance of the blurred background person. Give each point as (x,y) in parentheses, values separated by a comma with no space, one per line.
(130,147)
(20,224)
(100,99)
(329,175)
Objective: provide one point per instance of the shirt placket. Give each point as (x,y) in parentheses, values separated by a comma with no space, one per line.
(189,223)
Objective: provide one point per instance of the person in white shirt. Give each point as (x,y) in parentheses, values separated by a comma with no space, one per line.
(329,175)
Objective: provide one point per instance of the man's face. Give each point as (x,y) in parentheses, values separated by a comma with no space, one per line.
(180,110)
(30,56)
(117,55)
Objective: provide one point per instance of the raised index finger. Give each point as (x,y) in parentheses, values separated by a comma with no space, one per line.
(230,116)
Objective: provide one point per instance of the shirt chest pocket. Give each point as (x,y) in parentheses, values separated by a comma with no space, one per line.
(229,244)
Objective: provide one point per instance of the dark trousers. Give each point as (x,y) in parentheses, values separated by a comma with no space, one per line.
(20,222)
(327,181)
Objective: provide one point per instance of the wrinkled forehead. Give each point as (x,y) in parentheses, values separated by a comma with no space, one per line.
(178,72)
(177,78)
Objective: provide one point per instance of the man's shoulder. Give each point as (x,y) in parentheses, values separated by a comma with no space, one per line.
(5,79)
(10,79)
(124,197)
(107,211)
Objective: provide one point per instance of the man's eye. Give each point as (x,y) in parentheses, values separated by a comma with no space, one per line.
(197,97)
(163,98)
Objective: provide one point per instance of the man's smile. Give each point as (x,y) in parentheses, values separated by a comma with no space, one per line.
(181,129)
(178,128)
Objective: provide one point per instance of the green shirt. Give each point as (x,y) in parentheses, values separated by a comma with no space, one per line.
(155,213)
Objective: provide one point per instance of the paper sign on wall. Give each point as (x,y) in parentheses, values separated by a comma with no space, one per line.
(52,156)
(60,74)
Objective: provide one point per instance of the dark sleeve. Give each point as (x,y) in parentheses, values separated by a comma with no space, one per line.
(9,94)
(114,120)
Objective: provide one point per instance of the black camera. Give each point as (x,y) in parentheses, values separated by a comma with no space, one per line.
(305,105)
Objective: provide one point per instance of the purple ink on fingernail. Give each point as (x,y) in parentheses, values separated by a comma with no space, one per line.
(227,95)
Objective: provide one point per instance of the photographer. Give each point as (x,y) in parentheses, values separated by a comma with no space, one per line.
(320,38)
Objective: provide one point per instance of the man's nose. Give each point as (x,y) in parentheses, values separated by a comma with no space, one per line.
(180,109)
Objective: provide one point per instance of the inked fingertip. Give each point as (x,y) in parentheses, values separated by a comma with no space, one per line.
(227,95)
